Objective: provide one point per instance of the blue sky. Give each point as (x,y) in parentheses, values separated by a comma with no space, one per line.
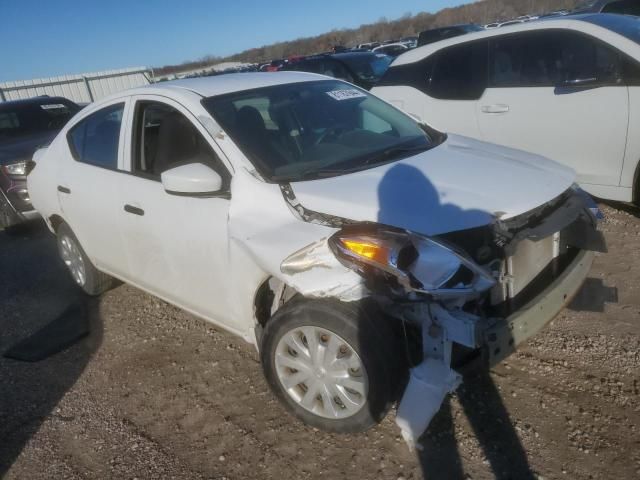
(42,38)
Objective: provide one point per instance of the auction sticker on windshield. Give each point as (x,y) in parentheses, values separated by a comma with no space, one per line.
(346,94)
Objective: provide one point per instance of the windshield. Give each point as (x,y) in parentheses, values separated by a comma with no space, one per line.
(315,129)
(29,118)
(625,25)
(369,67)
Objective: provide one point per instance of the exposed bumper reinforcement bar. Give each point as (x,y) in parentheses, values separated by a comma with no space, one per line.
(503,338)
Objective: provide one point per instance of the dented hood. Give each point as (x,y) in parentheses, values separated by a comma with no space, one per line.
(461,184)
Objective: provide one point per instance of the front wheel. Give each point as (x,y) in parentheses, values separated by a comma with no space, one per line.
(86,276)
(333,364)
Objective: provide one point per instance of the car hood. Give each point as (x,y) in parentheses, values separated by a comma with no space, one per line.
(23,148)
(461,184)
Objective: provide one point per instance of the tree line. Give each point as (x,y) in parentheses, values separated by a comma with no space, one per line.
(480,12)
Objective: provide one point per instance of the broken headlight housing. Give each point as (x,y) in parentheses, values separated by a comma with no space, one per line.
(414,262)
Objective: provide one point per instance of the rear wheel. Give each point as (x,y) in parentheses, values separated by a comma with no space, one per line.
(333,364)
(86,276)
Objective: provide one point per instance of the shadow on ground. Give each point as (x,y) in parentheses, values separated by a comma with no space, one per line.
(404,186)
(482,405)
(593,296)
(43,314)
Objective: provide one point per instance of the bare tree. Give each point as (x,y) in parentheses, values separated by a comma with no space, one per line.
(481,12)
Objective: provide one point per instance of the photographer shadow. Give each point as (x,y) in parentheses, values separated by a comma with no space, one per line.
(407,199)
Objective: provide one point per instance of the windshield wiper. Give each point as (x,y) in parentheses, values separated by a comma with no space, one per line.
(311,174)
(391,153)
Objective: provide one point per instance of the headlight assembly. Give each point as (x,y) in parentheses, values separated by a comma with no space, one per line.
(418,263)
(17,169)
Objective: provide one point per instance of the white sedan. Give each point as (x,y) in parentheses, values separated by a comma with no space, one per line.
(565,87)
(322,225)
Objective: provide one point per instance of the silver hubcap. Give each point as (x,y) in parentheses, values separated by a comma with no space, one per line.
(321,372)
(72,258)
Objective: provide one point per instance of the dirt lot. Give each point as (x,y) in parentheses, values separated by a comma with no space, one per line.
(155,393)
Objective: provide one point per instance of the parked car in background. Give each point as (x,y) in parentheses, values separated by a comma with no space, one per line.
(438,34)
(274,65)
(566,87)
(411,42)
(360,68)
(626,7)
(368,46)
(322,225)
(25,126)
(391,49)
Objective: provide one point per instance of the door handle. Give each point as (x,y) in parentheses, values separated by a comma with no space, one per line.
(497,108)
(135,210)
(64,189)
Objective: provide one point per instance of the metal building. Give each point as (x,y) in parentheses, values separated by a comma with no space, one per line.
(83,88)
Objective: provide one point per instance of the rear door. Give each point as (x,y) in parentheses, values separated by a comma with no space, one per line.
(88,182)
(560,94)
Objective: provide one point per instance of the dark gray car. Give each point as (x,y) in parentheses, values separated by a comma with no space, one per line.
(25,126)
(625,7)
(360,68)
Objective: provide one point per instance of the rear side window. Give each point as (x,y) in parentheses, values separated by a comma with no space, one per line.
(549,58)
(460,72)
(95,139)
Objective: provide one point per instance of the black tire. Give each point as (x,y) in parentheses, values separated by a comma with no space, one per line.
(95,282)
(366,331)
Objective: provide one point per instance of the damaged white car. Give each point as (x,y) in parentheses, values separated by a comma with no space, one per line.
(366,256)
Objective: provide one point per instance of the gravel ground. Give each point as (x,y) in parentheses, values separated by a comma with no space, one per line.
(153,392)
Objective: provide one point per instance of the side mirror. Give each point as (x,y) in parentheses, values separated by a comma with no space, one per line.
(193,179)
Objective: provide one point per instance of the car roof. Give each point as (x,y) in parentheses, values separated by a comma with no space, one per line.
(343,55)
(35,101)
(566,21)
(459,26)
(229,83)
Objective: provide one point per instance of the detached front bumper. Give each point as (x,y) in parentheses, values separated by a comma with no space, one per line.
(502,338)
(433,379)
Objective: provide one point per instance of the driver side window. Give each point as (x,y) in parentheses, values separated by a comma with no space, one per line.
(164,138)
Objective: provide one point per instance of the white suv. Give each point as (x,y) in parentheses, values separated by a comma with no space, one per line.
(322,225)
(567,88)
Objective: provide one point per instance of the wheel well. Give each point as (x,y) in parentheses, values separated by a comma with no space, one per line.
(55,221)
(271,295)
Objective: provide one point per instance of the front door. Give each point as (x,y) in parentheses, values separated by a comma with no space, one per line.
(559,94)
(176,245)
